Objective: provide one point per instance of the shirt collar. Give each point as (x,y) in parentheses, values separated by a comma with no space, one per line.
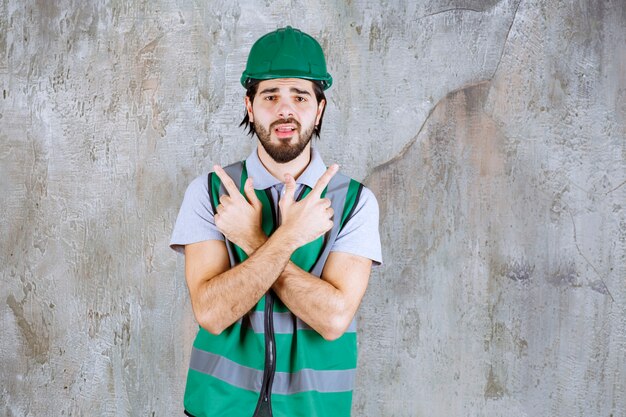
(263,179)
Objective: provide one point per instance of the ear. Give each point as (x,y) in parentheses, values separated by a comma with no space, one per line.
(249,109)
(320,109)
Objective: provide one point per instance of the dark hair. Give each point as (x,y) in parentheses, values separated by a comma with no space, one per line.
(251,92)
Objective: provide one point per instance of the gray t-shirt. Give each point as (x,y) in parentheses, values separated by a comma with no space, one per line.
(195,222)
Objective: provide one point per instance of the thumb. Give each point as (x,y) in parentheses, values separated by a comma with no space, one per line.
(290,188)
(250,194)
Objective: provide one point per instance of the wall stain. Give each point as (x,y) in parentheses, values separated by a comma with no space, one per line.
(410,330)
(374,36)
(378,38)
(504,339)
(558,206)
(493,388)
(518,270)
(565,276)
(95,318)
(35,335)
(600,287)
(122,337)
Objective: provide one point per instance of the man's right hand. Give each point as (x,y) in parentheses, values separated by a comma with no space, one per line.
(305,220)
(238,219)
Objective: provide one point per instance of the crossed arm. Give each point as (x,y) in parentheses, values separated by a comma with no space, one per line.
(220,294)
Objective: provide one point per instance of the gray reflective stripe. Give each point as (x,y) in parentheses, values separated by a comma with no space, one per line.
(284,382)
(283,323)
(312,380)
(226,370)
(255,320)
(337,191)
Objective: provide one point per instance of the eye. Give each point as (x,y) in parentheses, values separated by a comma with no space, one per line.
(269,98)
(300,99)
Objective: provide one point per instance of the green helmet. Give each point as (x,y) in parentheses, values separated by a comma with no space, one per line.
(286,53)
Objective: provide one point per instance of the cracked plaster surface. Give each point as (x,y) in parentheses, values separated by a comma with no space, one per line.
(483,231)
(488,129)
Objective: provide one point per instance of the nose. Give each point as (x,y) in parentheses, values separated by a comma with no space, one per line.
(285,111)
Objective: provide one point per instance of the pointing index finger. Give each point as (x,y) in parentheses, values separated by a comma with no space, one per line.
(323,181)
(229,184)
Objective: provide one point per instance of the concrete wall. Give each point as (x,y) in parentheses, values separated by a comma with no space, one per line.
(493,133)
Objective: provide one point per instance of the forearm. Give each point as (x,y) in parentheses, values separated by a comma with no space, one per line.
(223,299)
(315,301)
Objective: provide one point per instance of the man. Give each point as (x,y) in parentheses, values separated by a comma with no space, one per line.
(278,252)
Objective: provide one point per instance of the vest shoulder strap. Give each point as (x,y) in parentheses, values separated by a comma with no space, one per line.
(238,173)
(344,194)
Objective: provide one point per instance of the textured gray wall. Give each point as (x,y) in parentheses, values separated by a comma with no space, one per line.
(493,133)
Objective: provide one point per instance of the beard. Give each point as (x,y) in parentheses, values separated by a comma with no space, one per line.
(284,151)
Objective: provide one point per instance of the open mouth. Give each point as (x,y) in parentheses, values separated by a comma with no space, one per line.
(285,130)
(282,129)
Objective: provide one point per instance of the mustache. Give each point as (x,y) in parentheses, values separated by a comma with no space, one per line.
(290,120)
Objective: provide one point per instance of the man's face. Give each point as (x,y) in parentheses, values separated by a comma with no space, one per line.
(284,113)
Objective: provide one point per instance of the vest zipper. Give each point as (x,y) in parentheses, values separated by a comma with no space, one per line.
(265,397)
(270,348)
